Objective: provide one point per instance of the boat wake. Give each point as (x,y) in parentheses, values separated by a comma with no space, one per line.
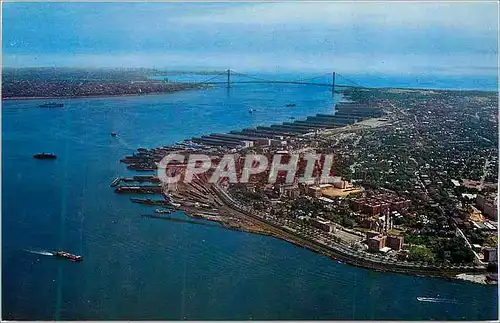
(436,300)
(40,252)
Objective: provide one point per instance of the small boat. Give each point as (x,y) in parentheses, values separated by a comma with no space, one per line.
(67,255)
(427,299)
(113,134)
(291,105)
(163,211)
(51,105)
(45,156)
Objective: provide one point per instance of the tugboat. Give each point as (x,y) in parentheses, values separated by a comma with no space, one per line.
(67,255)
(51,105)
(45,156)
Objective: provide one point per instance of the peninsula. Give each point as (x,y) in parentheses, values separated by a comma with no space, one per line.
(415,189)
(35,83)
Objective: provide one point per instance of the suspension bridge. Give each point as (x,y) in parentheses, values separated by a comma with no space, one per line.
(230,77)
(346,113)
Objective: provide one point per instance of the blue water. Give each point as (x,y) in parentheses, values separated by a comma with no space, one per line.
(139,268)
(486,82)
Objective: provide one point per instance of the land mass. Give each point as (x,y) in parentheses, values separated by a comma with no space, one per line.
(416,190)
(27,83)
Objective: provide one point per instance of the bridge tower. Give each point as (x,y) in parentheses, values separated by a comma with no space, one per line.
(333,82)
(228,78)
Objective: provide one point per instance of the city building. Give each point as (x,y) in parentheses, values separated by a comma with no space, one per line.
(291,191)
(490,254)
(371,234)
(314,191)
(488,205)
(322,224)
(376,243)
(379,203)
(395,242)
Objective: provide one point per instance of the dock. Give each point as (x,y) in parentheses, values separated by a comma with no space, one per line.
(345,113)
(144,189)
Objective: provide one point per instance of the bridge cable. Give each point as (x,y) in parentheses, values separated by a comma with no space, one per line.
(312,78)
(352,82)
(209,79)
(252,77)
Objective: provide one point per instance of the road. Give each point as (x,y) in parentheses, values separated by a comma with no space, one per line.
(323,242)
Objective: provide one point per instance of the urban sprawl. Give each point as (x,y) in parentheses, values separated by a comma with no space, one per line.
(414,186)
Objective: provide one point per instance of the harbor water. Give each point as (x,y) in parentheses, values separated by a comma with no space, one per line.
(143,268)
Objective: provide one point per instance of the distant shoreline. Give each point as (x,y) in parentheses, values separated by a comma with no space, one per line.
(13,98)
(200,87)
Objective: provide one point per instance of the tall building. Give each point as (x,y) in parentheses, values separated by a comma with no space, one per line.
(376,243)
(322,224)
(490,254)
(488,205)
(395,242)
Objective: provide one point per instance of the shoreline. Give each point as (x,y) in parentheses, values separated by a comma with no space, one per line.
(94,96)
(455,275)
(253,222)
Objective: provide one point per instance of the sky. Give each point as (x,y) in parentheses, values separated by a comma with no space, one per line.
(448,38)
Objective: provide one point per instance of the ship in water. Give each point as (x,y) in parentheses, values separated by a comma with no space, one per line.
(150,201)
(51,105)
(67,255)
(291,105)
(113,134)
(436,300)
(45,156)
(160,211)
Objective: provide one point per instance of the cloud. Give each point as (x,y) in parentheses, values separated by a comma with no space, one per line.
(395,37)
(460,15)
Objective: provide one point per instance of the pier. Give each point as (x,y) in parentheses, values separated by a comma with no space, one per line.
(144,189)
(346,113)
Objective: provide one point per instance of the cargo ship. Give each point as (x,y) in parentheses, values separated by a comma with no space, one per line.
(67,255)
(45,156)
(51,105)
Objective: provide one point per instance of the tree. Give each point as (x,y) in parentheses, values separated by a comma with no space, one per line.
(420,253)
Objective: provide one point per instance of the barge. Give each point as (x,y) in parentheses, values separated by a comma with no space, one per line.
(45,156)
